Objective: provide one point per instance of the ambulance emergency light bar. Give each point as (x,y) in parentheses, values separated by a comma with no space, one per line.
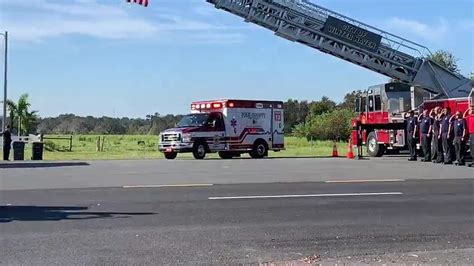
(215,105)
(234,104)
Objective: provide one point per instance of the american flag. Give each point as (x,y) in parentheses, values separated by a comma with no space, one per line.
(140,2)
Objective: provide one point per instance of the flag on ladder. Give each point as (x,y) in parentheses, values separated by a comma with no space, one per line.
(140,2)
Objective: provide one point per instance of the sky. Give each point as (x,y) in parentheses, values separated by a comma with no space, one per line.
(112,58)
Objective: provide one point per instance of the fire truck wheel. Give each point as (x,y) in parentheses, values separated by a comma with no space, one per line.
(199,150)
(259,150)
(226,155)
(373,148)
(171,155)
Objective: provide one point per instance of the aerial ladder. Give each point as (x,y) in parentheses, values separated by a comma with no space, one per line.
(351,40)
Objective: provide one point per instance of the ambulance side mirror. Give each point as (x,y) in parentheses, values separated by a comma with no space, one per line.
(210,124)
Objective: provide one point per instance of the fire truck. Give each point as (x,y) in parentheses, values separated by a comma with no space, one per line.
(228,127)
(420,81)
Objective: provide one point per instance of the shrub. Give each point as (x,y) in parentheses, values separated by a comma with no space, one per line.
(335,125)
(49,146)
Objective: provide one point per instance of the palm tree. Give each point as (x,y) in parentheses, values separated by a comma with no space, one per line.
(20,114)
(12,109)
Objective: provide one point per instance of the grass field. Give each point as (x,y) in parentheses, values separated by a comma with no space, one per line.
(145,147)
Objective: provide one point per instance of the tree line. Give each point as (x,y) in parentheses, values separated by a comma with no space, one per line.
(71,124)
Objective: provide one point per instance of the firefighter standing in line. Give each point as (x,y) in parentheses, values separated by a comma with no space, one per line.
(469,112)
(446,136)
(436,143)
(425,131)
(7,142)
(460,133)
(412,126)
(359,140)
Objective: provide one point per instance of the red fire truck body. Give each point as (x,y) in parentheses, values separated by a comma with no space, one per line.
(470,117)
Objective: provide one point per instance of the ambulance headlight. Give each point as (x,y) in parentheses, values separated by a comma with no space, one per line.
(186,137)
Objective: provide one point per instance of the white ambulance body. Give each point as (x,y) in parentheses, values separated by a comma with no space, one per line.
(229,127)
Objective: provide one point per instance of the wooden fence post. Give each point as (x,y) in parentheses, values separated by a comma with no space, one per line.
(102,145)
(97,143)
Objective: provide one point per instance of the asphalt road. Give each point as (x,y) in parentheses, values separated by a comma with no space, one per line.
(48,175)
(421,221)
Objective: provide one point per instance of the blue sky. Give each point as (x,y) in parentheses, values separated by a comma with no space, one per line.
(107,57)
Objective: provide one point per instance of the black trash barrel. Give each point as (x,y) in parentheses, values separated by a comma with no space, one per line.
(18,150)
(37,151)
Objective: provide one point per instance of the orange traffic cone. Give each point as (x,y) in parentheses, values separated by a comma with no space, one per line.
(350,153)
(334,150)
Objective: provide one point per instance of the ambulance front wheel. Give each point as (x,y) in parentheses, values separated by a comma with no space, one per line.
(171,155)
(199,150)
(259,150)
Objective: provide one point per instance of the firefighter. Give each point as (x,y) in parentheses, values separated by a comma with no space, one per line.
(425,131)
(7,142)
(359,140)
(470,112)
(446,136)
(411,127)
(460,133)
(436,143)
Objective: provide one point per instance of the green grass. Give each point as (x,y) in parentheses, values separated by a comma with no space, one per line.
(128,147)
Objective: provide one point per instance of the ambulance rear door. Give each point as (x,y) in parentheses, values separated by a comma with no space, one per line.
(277,128)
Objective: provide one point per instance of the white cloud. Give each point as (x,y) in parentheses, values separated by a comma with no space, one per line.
(37,20)
(418,29)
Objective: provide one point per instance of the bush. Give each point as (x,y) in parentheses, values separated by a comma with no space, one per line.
(328,126)
(49,146)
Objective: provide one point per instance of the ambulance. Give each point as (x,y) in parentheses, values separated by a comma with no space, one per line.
(228,127)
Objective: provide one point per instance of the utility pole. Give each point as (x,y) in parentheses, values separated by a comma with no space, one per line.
(4,120)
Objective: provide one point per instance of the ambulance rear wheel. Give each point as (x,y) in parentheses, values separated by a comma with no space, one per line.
(374,149)
(199,150)
(171,155)
(226,155)
(259,150)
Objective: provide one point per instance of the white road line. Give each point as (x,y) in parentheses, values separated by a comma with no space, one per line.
(365,181)
(165,186)
(308,196)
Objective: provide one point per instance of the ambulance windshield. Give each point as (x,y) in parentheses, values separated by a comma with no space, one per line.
(193,120)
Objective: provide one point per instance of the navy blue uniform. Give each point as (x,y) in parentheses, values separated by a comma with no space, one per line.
(411,123)
(7,142)
(436,143)
(459,126)
(425,124)
(471,143)
(446,138)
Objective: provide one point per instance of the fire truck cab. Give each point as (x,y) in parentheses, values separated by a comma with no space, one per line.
(229,127)
(380,114)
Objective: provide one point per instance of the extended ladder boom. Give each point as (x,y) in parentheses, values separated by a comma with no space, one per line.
(304,22)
